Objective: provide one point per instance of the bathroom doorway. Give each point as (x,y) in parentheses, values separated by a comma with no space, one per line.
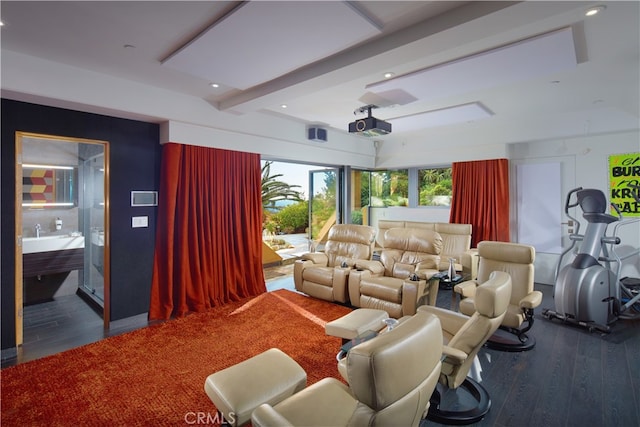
(62,222)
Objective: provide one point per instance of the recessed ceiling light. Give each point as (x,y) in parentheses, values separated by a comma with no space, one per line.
(214,85)
(388,75)
(595,10)
(283,106)
(1,23)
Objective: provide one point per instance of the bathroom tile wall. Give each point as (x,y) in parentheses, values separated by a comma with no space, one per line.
(46,217)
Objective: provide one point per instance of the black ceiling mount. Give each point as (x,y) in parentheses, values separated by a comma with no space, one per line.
(365,108)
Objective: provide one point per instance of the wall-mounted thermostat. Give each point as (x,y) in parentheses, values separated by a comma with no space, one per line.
(144,198)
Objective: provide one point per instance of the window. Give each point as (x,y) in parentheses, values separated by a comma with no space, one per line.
(434,187)
(390,188)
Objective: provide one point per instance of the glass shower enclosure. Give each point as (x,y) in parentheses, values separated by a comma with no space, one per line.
(92,219)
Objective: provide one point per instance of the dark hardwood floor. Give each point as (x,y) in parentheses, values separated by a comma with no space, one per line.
(62,324)
(572,377)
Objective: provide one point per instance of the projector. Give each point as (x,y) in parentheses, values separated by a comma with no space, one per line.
(369,126)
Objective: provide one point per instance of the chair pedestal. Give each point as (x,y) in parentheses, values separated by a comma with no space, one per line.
(506,340)
(521,342)
(451,416)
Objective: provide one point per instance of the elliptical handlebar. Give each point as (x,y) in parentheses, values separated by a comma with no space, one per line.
(569,205)
(611,240)
(574,237)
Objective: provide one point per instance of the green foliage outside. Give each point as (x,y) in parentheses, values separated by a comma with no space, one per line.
(324,204)
(356,217)
(390,188)
(364,188)
(274,190)
(293,218)
(435,187)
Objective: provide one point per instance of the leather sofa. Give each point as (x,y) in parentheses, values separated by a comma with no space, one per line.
(324,275)
(456,243)
(386,284)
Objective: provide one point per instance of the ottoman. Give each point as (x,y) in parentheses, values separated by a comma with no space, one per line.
(356,323)
(269,377)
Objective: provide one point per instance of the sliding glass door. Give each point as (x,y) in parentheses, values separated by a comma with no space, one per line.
(324,207)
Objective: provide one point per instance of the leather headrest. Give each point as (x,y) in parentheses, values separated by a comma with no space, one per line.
(386,368)
(352,233)
(509,252)
(492,297)
(448,228)
(413,239)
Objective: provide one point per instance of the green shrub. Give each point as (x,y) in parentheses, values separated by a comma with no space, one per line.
(293,218)
(356,217)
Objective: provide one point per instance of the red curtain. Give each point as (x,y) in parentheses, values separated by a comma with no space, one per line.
(209,232)
(481,198)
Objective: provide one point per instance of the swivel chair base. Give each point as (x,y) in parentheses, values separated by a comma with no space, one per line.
(501,342)
(465,416)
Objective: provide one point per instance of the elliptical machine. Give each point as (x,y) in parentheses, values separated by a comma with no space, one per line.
(587,291)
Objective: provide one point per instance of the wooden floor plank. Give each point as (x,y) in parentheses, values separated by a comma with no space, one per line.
(555,393)
(587,382)
(619,396)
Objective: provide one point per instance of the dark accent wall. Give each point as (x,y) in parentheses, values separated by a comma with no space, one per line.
(134,165)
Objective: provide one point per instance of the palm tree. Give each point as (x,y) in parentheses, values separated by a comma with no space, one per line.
(274,190)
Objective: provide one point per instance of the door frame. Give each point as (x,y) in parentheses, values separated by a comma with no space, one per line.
(18,270)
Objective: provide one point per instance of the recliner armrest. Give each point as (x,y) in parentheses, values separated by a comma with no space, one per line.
(453,355)
(265,415)
(450,321)
(427,273)
(430,262)
(375,267)
(412,291)
(532,300)
(466,289)
(316,257)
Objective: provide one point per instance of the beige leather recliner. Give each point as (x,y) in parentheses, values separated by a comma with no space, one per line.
(517,260)
(386,284)
(463,337)
(391,378)
(321,274)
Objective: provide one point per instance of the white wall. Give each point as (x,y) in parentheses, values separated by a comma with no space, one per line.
(583,163)
(338,146)
(192,120)
(186,119)
(423,214)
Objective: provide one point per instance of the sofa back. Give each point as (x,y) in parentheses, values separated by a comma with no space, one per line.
(349,242)
(456,238)
(514,258)
(406,247)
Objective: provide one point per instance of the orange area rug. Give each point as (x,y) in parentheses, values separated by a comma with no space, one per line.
(155,376)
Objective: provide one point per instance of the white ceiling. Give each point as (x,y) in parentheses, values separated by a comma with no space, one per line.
(326,59)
